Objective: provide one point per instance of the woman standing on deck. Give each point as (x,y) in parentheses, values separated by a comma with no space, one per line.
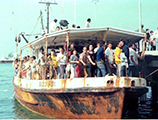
(92,65)
(74,60)
(86,62)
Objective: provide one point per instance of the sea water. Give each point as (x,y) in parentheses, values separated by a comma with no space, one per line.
(11,109)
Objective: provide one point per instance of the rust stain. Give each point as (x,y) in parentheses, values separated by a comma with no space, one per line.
(48,84)
(42,83)
(51,83)
(140,82)
(63,83)
(83,105)
(128,81)
(70,79)
(117,82)
(84,81)
(25,96)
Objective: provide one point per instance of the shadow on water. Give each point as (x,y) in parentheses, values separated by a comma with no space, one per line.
(145,109)
(23,113)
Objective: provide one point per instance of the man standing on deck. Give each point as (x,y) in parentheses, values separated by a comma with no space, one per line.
(141,41)
(83,60)
(100,61)
(142,30)
(133,66)
(147,39)
(53,26)
(61,60)
(125,50)
(87,23)
(109,58)
(156,37)
(117,53)
(41,63)
(41,55)
(73,26)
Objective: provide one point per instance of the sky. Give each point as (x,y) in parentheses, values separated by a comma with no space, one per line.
(18,16)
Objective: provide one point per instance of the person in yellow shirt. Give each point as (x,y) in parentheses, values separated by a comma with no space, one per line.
(117,53)
(53,64)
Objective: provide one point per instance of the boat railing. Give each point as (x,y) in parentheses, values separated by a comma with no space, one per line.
(107,81)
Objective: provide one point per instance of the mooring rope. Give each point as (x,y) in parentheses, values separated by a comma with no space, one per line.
(151,73)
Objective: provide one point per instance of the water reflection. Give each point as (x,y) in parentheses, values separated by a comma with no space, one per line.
(23,113)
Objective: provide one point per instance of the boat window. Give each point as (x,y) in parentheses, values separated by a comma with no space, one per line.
(110,83)
(132,83)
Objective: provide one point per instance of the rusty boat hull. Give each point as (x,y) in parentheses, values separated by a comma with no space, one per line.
(106,102)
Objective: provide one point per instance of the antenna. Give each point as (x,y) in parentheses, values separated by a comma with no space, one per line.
(74,11)
(47,4)
(140,16)
(95,1)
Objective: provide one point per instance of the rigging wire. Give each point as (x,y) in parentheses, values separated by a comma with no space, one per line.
(34,27)
(62,9)
(52,11)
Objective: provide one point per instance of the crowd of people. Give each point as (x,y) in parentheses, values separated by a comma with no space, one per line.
(92,62)
(151,39)
(54,27)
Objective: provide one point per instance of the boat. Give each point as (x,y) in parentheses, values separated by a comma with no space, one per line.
(107,97)
(6,60)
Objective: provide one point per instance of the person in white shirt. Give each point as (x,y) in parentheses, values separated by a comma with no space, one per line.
(156,37)
(124,64)
(97,48)
(61,60)
(26,71)
(152,41)
(33,66)
(15,66)
(41,63)
(109,58)
(53,26)
(133,66)
(87,23)
(41,55)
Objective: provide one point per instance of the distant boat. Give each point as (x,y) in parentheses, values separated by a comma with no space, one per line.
(6,60)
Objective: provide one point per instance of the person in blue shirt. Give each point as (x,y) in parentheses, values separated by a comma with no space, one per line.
(74,60)
(100,61)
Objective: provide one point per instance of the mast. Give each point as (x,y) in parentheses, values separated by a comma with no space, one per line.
(95,1)
(140,15)
(74,11)
(41,20)
(48,4)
